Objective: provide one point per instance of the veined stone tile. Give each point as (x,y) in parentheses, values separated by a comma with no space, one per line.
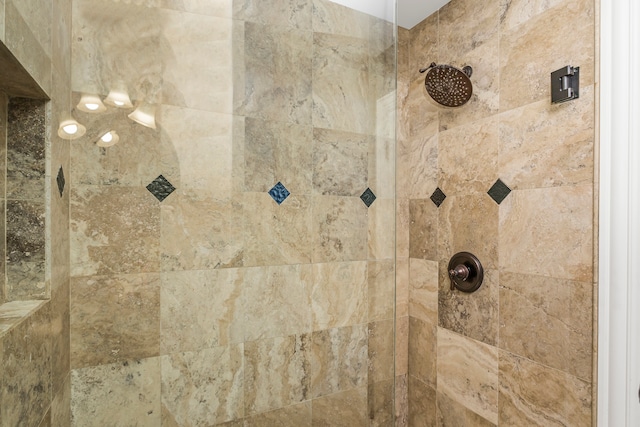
(526,48)
(291,416)
(61,404)
(468,373)
(473,315)
(381,291)
(278,74)
(282,13)
(417,166)
(423,229)
(402,287)
(401,398)
(535,395)
(402,345)
(423,46)
(26,370)
(114,318)
(380,399)
(548,320)
(381,236)
(422,110)
(382,151)
(404,45)
(559,227)
(422,403)
(201,232)
(114,230)
(339,229)
(203,388)
(277,151)
(219,8)
(277,373)
(465,25)
(338,360)
(402,228)
(423,351)
(201,156)
(333,18)
(348,408)
(340,51)
(25,250)
(380,348)
(277,234)
(452,413)
(340,161)
(60,334)
(468,157)
(469,223)
(277,301)
(198,74)
(423,290)
(37,16)
(339,294)
(133,387)
(200,309)
(534,154)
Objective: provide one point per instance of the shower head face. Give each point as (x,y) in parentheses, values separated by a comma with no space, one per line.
(448,85)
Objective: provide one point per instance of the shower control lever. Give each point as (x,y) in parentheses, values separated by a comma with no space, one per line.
(465,272)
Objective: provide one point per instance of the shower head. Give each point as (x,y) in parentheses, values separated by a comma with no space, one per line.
(448,85)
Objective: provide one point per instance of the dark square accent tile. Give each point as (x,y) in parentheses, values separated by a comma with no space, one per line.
(60,180)
(499,191)
(438,197)
(368,197)
(279,193)
(160,188)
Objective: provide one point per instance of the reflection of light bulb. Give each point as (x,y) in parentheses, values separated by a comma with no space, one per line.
(145,115)
(108,139)
(118,103)
(91,104)
(70,129)
(118,97)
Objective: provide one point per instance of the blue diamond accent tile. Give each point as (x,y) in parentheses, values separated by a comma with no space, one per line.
(279,193)
(368,197)
(499,191)
(60,181)
(161,188)
(438,197)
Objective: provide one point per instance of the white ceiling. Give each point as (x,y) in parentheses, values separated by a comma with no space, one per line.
(410,12)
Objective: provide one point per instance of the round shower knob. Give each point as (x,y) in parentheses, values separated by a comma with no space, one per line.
(465,271)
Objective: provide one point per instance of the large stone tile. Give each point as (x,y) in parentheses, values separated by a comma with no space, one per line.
(422,404)
(402,346)
(339,294)
(423,351)
(548,320)
(423,46)
(61,404)
(338,360)
(114,318)
(417,159)
(402,287)
(333,18)
(402,221)
(381,290)
(281,13)
(381,237)
(423,229)
(116,394)
(200,232)
(291,416)
(468,373)
(465,25)
(277,152)
(37,15)
(525,48)
(347,408)
(114,230)
(60,334)
(339,229)
(535,395)
(340,162)
(278,74)
(203,388)
(468,157)
(26,370)
(198,71)
(380,400)
(277,234)
(277,373)
(401,398)
(423,290)
(200,309)
(277,301)
(453,414)
(534,153)
(559,238)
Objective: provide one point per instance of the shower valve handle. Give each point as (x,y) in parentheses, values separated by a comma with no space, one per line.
(460,272)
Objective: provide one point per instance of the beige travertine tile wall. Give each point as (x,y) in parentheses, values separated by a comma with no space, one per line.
(519,350)
(34,352)
(217,305)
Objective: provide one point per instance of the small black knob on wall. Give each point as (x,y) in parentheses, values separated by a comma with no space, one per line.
(465,271)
